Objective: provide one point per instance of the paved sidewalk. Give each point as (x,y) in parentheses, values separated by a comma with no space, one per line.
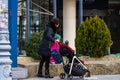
(108,77)
(94,77)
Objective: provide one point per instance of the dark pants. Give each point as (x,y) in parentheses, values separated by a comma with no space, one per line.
(46,60)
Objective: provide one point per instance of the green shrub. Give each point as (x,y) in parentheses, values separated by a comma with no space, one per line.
(93,37)
(31,46)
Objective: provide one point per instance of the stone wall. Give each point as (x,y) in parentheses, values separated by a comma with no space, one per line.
(105,65)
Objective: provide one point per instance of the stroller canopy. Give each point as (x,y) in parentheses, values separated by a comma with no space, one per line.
(67,51)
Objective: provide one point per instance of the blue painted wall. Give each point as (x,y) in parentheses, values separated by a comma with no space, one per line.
(13,5)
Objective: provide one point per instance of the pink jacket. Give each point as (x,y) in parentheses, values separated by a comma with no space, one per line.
(55,46)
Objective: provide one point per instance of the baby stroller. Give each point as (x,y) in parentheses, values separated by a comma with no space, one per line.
(75,66)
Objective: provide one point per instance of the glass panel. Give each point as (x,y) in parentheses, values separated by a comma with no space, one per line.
(38,18)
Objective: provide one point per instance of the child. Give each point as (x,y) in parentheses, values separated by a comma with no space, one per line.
(55,47)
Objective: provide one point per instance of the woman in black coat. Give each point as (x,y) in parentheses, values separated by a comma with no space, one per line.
(44,47)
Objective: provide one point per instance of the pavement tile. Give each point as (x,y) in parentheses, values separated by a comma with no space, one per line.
(93,77)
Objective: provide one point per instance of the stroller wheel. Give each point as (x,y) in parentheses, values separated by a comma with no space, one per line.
(87,74)
(81,77)
(69,77)
(62,76)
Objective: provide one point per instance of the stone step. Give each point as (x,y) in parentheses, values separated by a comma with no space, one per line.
(103,67)
(95,67)
(55,69)
(25,59)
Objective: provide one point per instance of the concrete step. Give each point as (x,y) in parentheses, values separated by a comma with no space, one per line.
(103,67)
(55,69)
(97,66)
(25,59)
(19,73)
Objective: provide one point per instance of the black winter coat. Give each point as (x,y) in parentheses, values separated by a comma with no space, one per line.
(48,38)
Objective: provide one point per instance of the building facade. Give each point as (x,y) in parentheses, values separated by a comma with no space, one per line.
(41,12)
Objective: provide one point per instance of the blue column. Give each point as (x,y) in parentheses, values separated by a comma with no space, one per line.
(27,19)
(55,8)
(12,5)
(80,11)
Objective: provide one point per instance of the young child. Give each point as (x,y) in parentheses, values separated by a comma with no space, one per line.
(55,47)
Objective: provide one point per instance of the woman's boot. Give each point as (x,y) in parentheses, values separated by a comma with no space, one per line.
(40,73)
(47,75)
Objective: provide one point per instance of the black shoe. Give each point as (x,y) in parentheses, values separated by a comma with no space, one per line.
(40,75)
(48,76)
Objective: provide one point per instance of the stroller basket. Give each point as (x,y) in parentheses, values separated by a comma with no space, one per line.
(77,70)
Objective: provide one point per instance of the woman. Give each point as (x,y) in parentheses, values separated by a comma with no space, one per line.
(44,47)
